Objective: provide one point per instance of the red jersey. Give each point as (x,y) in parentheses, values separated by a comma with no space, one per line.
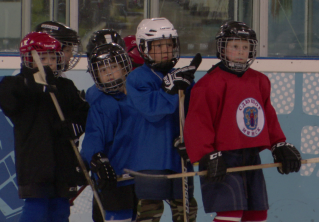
(228,112)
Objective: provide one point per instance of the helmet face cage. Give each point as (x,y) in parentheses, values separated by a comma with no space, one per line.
(27,60)
(163,53)
(45,58)
(109,71)
(74,50)
(222,44)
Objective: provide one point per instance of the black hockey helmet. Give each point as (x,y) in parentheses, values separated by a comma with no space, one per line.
(67,37)
(101,37)
(233,30)
(104,64)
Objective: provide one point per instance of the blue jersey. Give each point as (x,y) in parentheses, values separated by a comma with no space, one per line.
(92,94)
(157,121)
(109,130)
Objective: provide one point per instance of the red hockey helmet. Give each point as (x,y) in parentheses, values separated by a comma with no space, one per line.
(42,43)
(39,41)
(132,51)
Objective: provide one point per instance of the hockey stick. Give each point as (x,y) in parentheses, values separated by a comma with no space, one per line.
(229,170)
(40,78)
(181,97)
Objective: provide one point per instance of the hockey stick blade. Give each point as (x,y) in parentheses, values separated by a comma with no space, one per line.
(229,170)
(122,177)
(197,60)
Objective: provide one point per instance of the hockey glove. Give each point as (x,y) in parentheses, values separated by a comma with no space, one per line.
(100,165)
(215,165)
(71,130)
(288,155)
(179,79)
(181,149)
(33,85)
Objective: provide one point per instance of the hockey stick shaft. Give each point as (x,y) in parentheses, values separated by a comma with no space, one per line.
(229,170)
(181,96)
(75,149)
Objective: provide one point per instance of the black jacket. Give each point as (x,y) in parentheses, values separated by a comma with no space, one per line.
(45,161)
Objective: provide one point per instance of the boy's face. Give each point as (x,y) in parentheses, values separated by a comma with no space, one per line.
(48,59)
(161,50)
(67,50)
(237,50)
(108,73)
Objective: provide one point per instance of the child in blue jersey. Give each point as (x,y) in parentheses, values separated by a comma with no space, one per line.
(107,142)
(152,90)
(100,37)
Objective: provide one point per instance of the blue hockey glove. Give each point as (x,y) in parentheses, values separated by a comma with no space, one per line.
(288,155)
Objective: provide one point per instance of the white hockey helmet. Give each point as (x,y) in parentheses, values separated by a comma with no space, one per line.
(153,29)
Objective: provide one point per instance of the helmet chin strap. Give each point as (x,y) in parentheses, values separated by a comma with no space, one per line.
(163,67)
(116,84)
(236,66)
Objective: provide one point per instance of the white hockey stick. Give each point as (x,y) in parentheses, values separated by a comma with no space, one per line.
(181,96)
(40,78)
(229,170)
(196,61)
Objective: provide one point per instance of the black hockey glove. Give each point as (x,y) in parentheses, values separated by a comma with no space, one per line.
(181,149)
(100,165)
(71,130)
(215,165)
(288,155)
(179,79)
(37,87)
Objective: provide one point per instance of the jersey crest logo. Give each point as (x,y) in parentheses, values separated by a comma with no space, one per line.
(250,117)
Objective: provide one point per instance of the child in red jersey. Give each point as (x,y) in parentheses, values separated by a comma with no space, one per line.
(229,121)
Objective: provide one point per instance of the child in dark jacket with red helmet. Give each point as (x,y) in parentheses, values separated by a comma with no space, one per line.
(45,161)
